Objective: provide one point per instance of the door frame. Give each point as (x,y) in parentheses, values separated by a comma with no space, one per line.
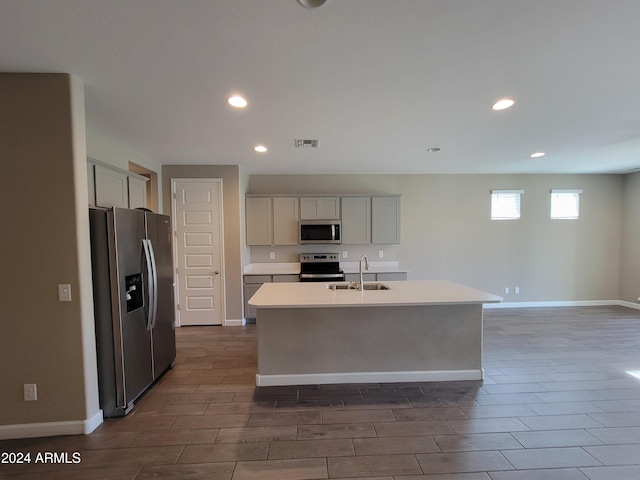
(176,286)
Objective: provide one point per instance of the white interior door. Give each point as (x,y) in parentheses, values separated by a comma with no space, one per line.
(197,217)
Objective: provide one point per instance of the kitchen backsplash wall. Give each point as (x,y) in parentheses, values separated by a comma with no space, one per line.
(354,252)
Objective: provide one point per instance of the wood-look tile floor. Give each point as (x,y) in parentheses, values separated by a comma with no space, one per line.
(557,403)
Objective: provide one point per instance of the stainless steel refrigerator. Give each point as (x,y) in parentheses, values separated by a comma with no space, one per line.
(133,301)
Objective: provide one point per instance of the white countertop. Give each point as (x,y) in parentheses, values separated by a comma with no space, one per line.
(419,292)
(293,268)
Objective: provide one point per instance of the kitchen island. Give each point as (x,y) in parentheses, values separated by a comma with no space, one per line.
(417,331)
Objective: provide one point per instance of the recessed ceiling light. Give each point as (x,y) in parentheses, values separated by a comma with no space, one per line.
(433,149)
(537,155)
(503,103)
(237,101)
(312,3)
(260,148)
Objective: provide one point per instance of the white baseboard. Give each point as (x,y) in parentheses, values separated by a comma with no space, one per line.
(51,429)
(94,422)
(567,303)
(367,377)
(232,322)
(624,303)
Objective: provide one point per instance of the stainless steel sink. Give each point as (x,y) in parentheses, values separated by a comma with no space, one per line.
(376,286)
(355,286)
(341,286)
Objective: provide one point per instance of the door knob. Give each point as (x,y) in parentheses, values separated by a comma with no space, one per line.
(217,272)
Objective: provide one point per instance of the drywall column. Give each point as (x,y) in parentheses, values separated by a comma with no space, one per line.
(44,241)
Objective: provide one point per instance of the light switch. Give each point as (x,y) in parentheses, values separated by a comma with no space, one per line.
(64,292)
(30,392)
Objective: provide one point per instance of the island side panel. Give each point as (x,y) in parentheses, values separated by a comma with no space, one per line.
(324,345)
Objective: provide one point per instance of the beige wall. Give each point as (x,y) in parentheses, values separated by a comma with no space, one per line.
(447,232)
(45,242)
(321,184)
(630,255)
(233,237)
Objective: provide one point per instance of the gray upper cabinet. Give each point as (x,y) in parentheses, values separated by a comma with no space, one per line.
(259,221)
(286,217)
(356,220)
(385,219)
(272,220)
(137,192)
(112,187)
(320,208)
(91,183)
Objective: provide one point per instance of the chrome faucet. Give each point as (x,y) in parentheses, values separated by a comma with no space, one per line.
(366,266)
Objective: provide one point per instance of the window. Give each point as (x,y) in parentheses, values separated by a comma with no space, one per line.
(565,204)
(505,204)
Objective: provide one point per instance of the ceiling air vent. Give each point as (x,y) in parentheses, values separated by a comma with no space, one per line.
(306,143)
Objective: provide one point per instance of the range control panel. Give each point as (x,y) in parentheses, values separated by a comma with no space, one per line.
(319,257)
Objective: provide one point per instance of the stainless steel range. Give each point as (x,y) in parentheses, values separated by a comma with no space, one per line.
(320,267)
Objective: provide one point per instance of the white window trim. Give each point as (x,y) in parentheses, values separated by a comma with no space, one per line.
(507,192)
(575,191)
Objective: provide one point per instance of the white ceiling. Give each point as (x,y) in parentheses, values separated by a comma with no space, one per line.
(376,81)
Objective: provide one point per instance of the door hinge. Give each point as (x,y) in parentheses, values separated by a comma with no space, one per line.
(178,307)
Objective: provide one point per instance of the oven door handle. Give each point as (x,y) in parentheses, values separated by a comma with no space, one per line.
(327,276)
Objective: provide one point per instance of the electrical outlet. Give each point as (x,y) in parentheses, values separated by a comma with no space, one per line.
(380,253)
(272,255)
(516,290)
(64,292)
(30,392)
(345,254)
(506,290)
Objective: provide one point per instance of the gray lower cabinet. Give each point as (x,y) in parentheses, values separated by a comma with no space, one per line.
(251,285)
(376,277)
(285,278)
(253,282)
(355,277)
(391,277)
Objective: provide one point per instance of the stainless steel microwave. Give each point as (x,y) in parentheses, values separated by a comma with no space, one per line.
(320,232)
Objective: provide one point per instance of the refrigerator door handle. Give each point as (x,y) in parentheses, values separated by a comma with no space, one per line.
(154,278)
(150,286)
